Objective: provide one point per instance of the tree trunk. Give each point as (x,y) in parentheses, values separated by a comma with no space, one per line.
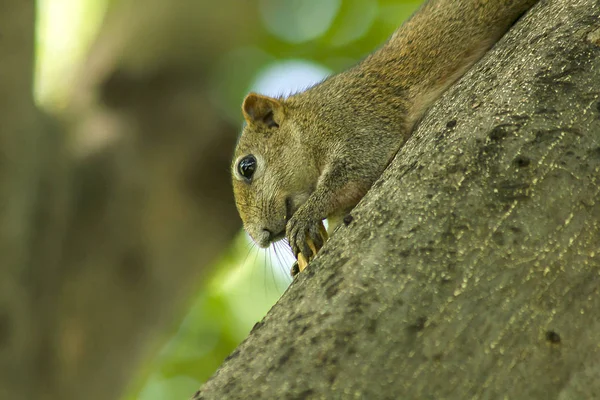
(472,267)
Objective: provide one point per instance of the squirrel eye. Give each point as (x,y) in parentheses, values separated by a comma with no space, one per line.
(247,166)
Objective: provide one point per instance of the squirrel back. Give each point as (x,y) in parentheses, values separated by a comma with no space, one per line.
(315,154)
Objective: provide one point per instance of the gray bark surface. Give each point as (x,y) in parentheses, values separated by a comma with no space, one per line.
(472,268)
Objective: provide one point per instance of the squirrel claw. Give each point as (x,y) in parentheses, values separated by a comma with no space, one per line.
(305,236)
(299,236)
(295,269)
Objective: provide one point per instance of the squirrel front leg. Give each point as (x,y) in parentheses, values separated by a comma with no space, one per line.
(337,192)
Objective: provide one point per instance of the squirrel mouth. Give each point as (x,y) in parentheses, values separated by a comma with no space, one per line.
(265,237)
(275,237)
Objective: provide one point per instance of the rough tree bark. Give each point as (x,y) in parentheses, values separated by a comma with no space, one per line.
(472,268)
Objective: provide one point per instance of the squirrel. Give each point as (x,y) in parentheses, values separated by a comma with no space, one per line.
(315,154)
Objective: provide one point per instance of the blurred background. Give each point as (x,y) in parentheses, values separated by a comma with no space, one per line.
(158,282)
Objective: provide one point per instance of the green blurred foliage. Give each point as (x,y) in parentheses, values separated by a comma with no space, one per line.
(244,286)
(334,34)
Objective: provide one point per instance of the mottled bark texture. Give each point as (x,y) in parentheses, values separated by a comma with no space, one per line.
(472,267)
(107,226)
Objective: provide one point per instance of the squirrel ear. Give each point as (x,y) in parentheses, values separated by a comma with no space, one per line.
(262,110)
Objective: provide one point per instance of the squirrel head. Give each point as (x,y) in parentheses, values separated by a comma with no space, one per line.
(272,172)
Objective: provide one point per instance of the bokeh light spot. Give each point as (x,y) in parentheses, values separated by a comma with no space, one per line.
(288,77)
(355,20)
(297,21)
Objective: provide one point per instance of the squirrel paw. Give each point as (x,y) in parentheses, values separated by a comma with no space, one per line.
(300,230)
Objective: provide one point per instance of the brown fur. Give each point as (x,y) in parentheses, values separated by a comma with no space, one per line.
(322,149)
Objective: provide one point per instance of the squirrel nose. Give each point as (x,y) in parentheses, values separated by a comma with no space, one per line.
(263,238)
(268,234)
